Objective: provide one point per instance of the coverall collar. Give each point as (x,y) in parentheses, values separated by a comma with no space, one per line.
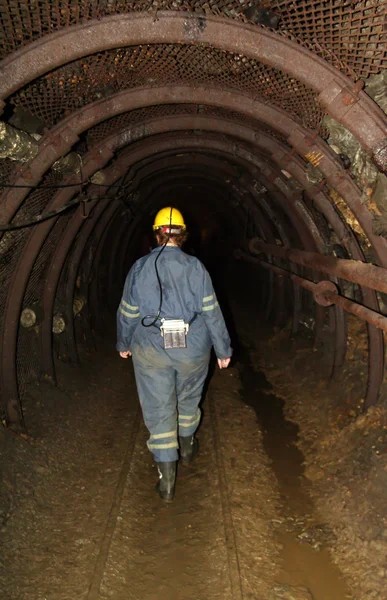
(159,248)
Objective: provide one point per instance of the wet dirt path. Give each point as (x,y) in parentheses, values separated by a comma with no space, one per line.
(88,525)
(306,561)
(85,521)
(205,544)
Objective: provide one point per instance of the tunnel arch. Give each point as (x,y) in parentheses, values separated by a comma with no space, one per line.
(342,99)
(280,141)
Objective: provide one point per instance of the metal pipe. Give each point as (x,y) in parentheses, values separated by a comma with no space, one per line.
(324,296)
(355,271)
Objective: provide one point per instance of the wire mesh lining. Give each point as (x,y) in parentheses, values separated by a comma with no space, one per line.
(353,33)
(100,274)
(28,350)
(100,75)
(97,134)
(43,260)
(7,167)
(12,243)
(236,117)
(350,35)
(83,281)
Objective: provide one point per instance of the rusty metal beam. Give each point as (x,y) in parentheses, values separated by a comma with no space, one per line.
(355,271)
(101,217)
(304,232)
(16,290)
(263,142)
(307,236)
(65,244)
(94,113)
(341,99)
(93,300)
(296,168)
(324,294)
(52,282)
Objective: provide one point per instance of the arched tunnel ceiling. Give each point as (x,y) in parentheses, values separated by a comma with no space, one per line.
(136,100)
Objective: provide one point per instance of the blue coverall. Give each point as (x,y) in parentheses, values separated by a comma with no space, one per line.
(170,381)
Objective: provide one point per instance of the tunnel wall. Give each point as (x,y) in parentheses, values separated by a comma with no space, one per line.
(284,127)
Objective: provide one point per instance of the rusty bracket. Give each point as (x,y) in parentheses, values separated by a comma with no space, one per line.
(84,208)
(55,140)
(339,99)
(319,294)
(286,157)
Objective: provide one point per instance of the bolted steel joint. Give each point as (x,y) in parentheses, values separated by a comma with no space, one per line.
(320,291)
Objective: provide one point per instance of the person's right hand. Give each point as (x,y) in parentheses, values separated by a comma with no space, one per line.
(125,354)
(223,362)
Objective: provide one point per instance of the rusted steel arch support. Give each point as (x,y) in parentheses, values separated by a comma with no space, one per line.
(199,159)
(43,225)
(296,211)
(93,284)
(284,237)
(306,234)
(337,317)
(103,213)
(96,112)
(16,291)
(235,150)
(49,295)
(344,233)
(276,302)
(204,123)
(76,224)
(194,160)
(206,166)
(347,238)
(376,346)
(342,100)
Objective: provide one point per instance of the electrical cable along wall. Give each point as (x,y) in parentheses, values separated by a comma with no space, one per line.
(283,113)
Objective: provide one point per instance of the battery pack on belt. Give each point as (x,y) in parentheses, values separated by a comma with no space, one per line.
(174,333)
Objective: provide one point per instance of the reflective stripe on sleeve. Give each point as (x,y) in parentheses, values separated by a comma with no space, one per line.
(208,298)
(129,315)
(133,308)
(211,306)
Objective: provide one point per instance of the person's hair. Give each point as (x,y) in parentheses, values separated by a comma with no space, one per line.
(162,237)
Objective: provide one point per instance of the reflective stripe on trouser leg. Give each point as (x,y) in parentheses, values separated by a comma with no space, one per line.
(189,423)
(190,381)
(156,391)
(163,441)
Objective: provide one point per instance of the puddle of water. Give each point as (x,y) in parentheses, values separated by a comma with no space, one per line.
(302,565)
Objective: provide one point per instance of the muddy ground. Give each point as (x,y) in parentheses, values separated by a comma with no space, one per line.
(345,450)
(283,502)
(80,518)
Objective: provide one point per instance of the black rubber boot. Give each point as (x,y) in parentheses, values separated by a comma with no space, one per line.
(189,447)
(166,484)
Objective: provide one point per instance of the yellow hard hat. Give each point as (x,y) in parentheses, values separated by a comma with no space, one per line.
(168,216)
